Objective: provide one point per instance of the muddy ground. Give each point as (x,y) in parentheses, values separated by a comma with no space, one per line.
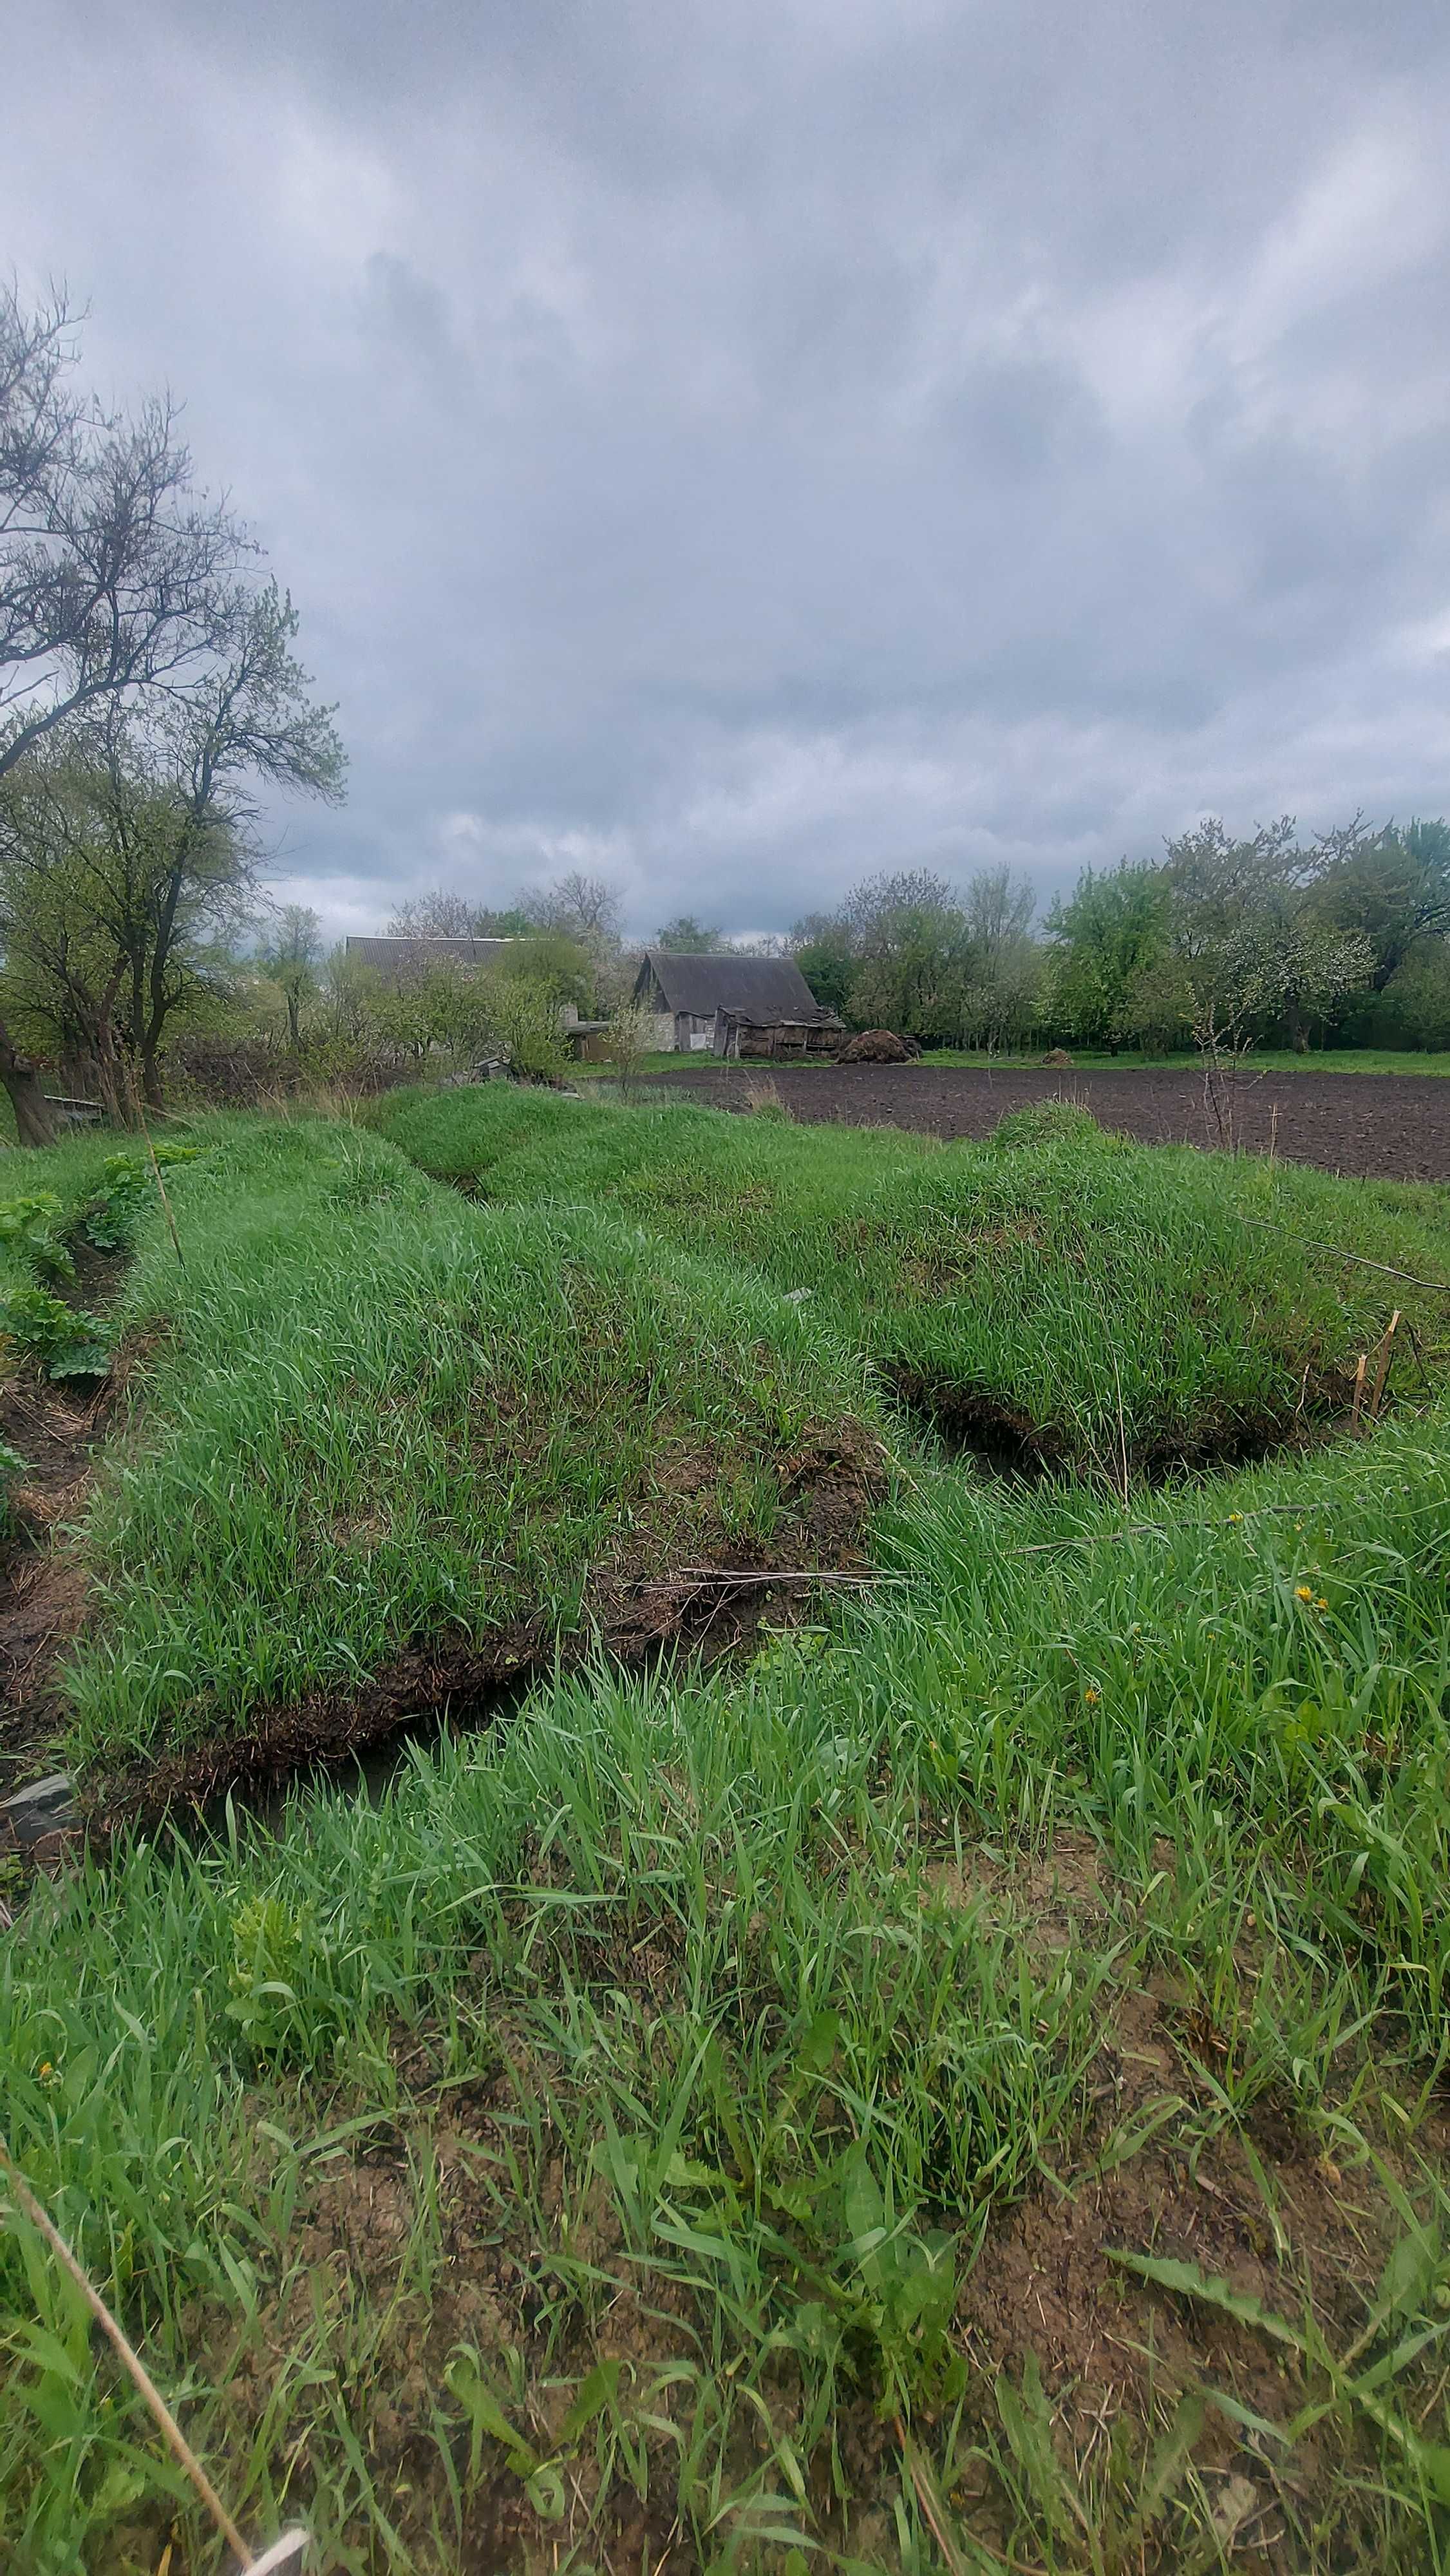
(1381,1126)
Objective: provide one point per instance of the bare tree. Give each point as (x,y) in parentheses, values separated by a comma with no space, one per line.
(116,574)
(247,720)
(118,578)
(685,934)
(583,907)
(439,914)
(129,850)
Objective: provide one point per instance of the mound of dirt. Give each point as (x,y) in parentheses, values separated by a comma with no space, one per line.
(878,1046)
(1043,1121)
(1056,1058)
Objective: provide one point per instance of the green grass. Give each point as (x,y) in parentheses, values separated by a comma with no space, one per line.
(692,2124)
(666,1060)
(593,2061)
(1073,1296)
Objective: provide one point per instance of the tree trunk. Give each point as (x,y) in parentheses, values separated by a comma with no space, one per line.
(151,1089)
(111,1084)
(35,1120)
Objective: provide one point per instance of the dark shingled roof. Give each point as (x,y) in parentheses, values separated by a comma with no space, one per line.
(393,956)
(760,989)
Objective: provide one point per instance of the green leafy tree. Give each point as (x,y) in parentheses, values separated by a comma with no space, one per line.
(291,958)
(348,994)
(1392,884)
(1105,939)
(629,1037)
(1417,998)
(1003,972)
(549,958)
(115,912)
(524,1022)
(1247,936)
(825,951)
(914,950)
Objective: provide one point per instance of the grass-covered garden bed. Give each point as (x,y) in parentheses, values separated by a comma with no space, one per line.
(1057,1297)
(958,2084)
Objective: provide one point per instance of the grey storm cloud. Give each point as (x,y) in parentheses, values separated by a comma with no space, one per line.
(732,449)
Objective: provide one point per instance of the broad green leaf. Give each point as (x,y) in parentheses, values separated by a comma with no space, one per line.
(590,2398)
(1189,2283)
(1171,2454)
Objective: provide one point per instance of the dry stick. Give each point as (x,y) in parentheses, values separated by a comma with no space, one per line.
(1145,1529)
(1312,1245)
(132,2360)
(1358,1392)
(710,1574)
(1382,1372)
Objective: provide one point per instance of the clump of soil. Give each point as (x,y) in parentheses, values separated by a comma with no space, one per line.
(877,1046)
(1056,1058)
(1005,1440)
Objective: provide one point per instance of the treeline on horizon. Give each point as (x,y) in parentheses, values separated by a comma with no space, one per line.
(1262,940)
(1220,944)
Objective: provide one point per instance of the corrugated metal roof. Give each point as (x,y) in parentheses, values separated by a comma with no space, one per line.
(390,956)
(761,989)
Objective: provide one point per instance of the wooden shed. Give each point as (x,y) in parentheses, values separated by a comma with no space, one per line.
(690,991)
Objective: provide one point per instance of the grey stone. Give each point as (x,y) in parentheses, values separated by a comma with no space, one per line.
(46,1807)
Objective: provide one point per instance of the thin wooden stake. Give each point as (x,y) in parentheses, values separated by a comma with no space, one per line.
(134,2365)
(1382,1372)
(1358,1392)
(1311,1243)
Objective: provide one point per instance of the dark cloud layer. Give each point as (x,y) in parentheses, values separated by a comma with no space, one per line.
(733,448)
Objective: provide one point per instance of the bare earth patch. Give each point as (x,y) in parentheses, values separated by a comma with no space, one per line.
(1391,1126)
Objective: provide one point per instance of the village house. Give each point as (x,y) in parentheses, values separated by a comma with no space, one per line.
(716,1002)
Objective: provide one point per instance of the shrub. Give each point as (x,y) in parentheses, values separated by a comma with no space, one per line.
(32,1227)
(66,1341)
(109,1219)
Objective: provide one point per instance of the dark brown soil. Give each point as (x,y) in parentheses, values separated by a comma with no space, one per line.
(1387,1125)
(56,1430)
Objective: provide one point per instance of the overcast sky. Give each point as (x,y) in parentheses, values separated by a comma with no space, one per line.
(734,447)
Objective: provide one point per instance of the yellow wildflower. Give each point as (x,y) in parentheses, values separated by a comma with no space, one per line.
(1235,1516)
(1303,1591)
(1092,1694)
